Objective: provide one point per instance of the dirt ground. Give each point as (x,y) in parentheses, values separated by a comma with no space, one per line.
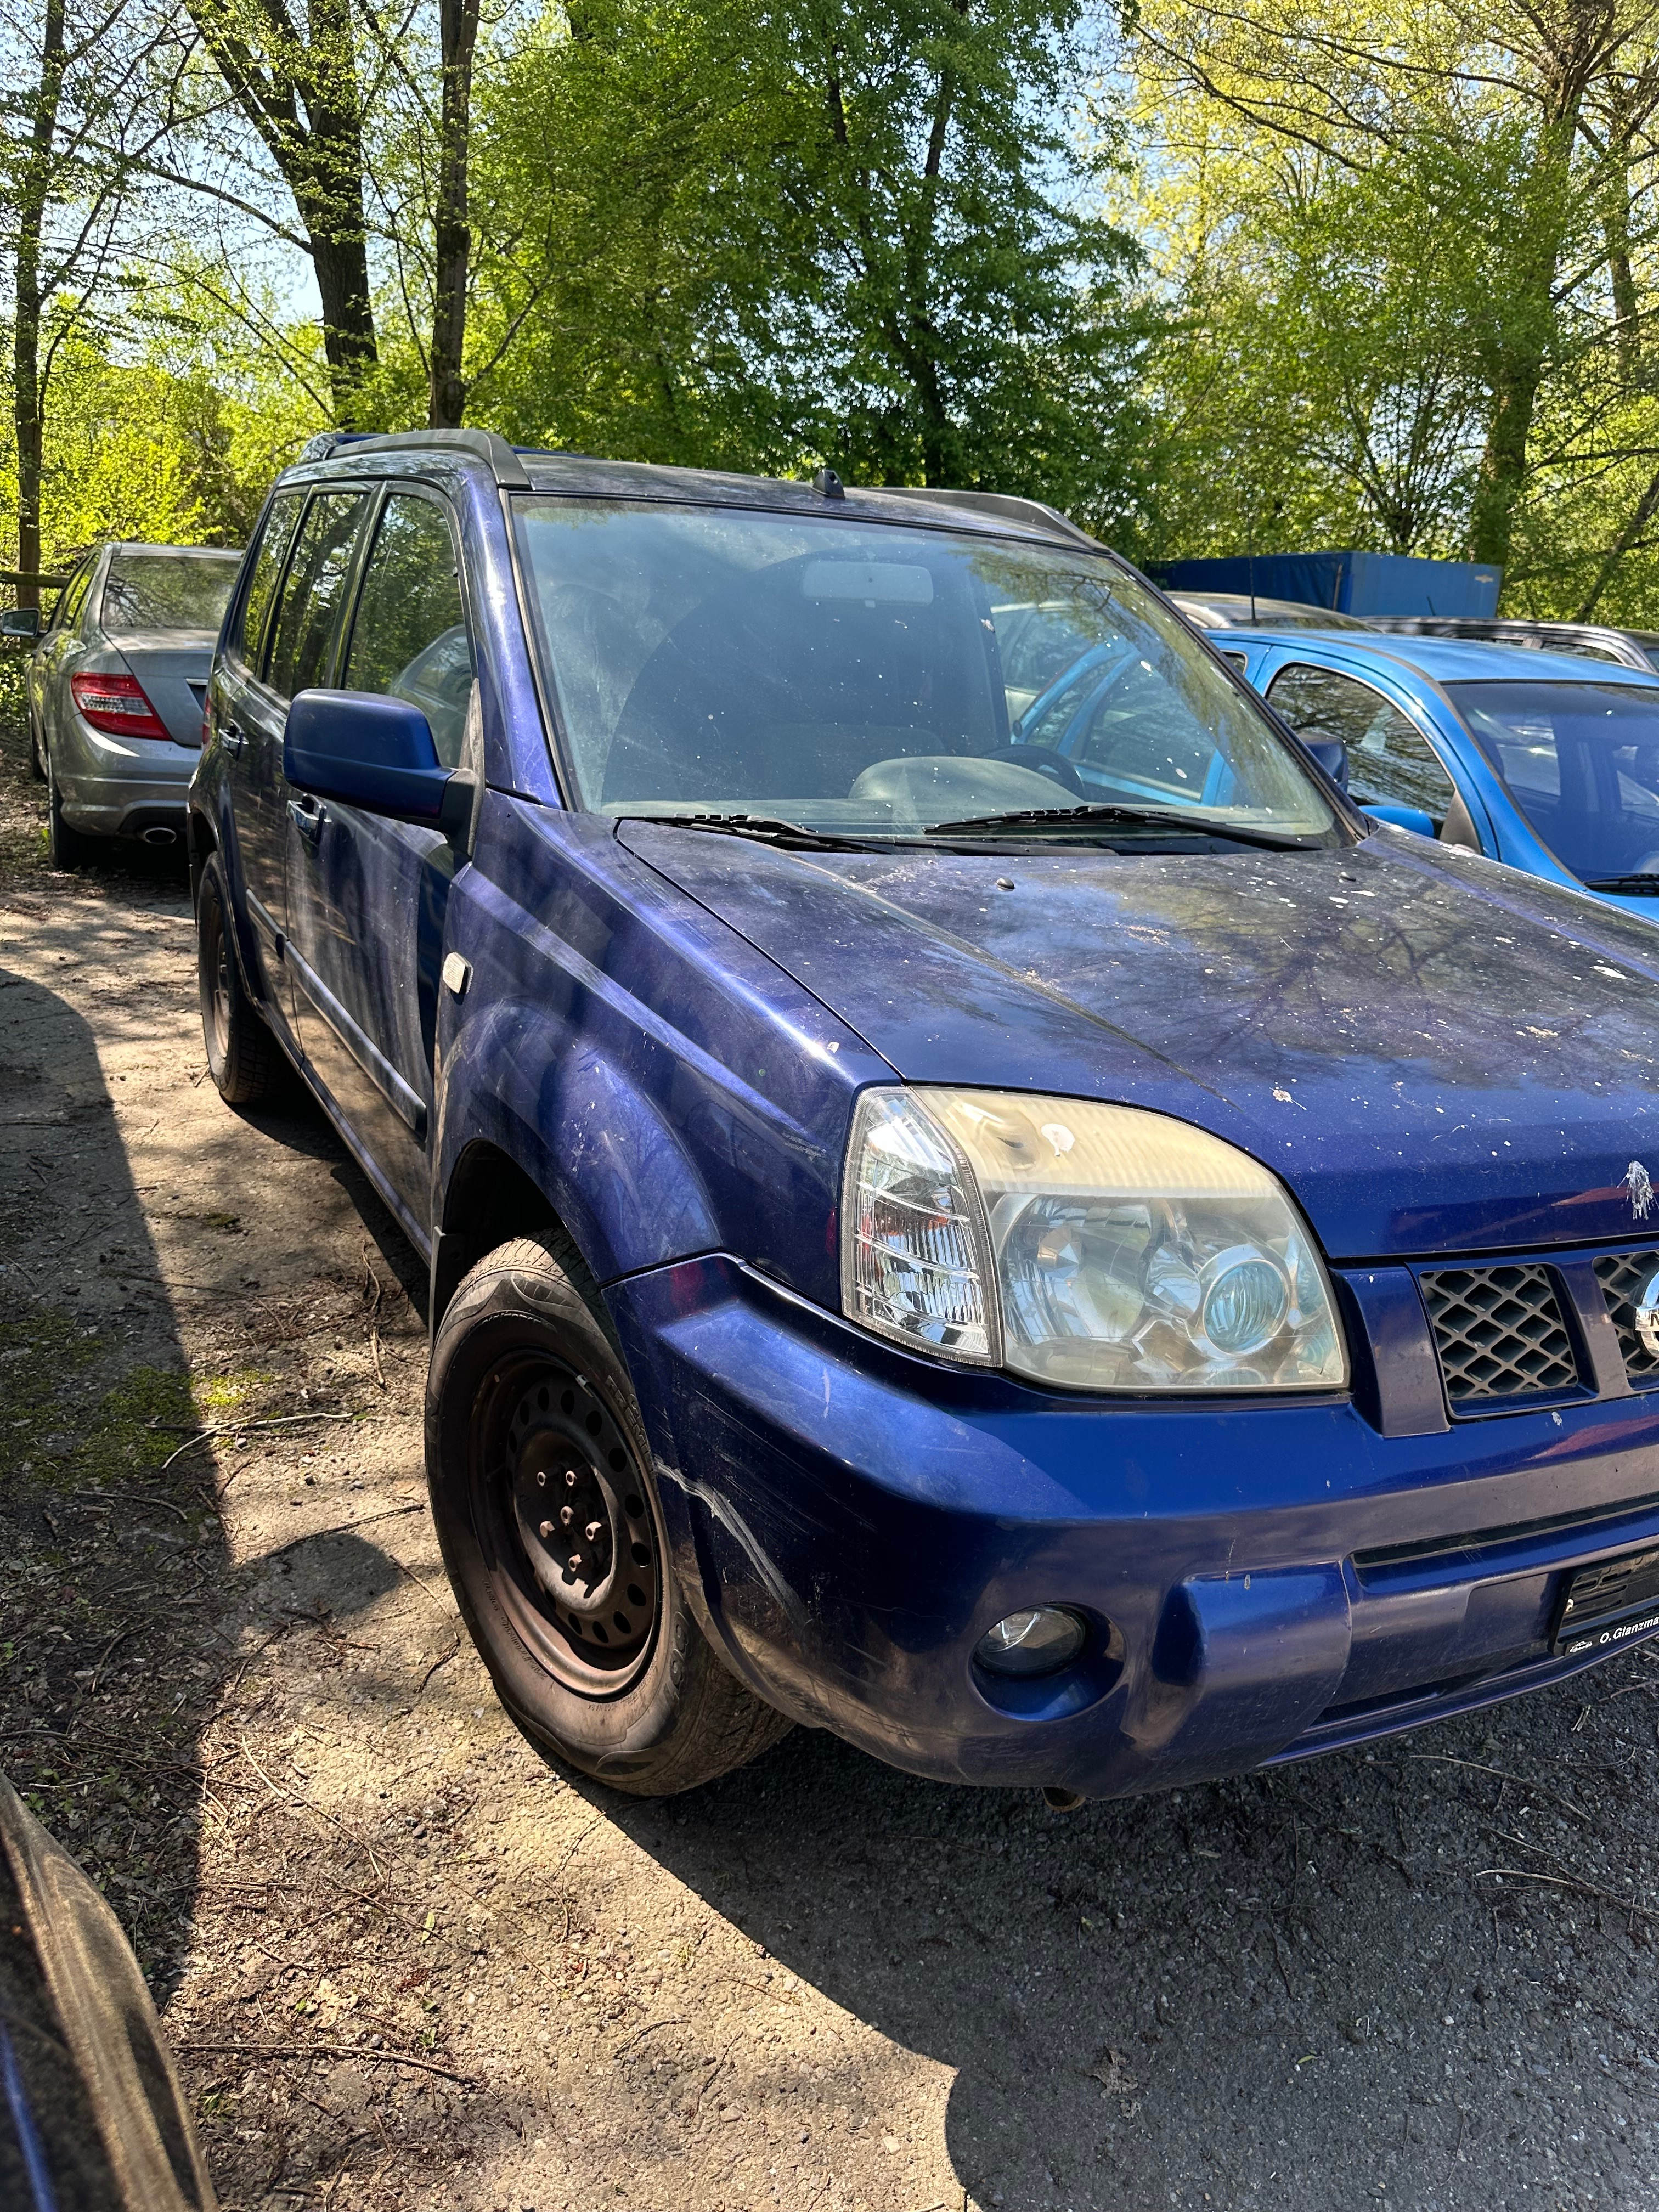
(405,1963)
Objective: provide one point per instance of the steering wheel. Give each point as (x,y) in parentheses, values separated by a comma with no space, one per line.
(1042,761)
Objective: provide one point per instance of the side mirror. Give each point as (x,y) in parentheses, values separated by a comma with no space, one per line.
(20,625)
(1404,817)
(1332,756)
(369,751)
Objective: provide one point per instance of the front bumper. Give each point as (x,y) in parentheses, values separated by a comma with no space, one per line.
(1268,1579)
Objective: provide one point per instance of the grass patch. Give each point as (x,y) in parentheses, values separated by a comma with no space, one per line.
(134,1428)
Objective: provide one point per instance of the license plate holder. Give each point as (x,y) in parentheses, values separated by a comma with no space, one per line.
(1608,1605)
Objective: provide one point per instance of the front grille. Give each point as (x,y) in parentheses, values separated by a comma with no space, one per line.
(1624,1276)
(1499,1333)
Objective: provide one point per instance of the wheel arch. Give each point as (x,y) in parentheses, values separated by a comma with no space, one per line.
(489,1199)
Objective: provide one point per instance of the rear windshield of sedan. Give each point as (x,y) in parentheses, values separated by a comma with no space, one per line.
(878,679)
(166,591)
(1582,763)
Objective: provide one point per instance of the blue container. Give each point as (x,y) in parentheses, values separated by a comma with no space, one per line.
(1349,583)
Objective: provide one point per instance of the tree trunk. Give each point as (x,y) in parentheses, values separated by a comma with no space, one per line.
(28,408)
(1517,352)
(451,231)
(321,161)
(1626,312)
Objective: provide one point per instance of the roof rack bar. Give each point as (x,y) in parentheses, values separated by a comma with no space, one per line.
(1033,512)
(486,444)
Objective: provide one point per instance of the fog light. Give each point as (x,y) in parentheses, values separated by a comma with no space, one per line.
(1039,1640)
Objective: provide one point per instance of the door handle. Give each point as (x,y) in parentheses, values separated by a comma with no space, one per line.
(231,739)
(308,818)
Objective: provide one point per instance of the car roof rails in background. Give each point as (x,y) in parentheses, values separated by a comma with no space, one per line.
(1628,647)
(482,445)
(1032,511)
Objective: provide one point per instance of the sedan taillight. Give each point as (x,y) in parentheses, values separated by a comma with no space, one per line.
(117,704)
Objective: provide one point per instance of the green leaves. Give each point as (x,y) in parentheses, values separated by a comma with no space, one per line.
(821,231)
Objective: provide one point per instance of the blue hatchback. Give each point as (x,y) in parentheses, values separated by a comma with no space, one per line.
(973,1199)
(1548,761)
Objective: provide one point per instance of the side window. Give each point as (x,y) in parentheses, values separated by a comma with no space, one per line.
(1390,763)
(408,637)
(311,591)
(67,612)
(280,518)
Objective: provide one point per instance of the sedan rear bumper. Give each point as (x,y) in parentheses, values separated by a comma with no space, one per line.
(849,1521)
(122,788)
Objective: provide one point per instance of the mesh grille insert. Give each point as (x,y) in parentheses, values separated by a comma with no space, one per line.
(1623,1277)
(1498,1332)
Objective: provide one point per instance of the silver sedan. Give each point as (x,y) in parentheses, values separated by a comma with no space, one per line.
(116,686)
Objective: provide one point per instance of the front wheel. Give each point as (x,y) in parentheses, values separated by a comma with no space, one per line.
(548,1520)
(244,1059)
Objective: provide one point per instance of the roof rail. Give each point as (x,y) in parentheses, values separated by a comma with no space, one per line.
(485,445)
(1033,512)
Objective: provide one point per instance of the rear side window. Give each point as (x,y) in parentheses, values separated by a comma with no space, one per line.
(166,591)
(409,638)
(280,518)
(311,591)
(67,612)
(1390,762)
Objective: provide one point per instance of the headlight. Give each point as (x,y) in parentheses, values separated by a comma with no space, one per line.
(1095,1247)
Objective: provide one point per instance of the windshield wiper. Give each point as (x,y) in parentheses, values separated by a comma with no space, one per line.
(1647,881)
(1154,817)
(771,830)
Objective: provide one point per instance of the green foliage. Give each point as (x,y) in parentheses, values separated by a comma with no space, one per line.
(1406,244)
(842,233)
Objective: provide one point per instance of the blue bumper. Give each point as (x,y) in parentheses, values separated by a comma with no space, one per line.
(1266,1581)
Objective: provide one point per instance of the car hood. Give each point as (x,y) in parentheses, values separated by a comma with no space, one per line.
(1436,1053)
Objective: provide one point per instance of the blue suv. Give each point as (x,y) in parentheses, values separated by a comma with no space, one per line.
(973,1199)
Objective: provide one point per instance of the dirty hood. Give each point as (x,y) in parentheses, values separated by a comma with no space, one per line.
(1437,1054)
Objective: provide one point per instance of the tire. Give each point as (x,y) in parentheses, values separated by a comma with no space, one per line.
(66,846)
(244,1059)
(530,1419)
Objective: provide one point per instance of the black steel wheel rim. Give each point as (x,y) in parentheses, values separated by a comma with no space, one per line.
(566,1526)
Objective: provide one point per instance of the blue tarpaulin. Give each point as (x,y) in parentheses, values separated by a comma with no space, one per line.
(1351,583)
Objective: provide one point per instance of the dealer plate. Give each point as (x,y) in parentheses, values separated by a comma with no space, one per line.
(1607,1604)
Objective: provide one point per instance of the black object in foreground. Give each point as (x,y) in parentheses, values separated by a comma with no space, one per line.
(92,2115)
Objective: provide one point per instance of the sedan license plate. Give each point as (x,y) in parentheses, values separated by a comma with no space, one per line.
(1607,1604)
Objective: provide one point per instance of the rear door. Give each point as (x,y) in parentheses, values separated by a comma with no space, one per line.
(60,650)
(368,896)
(291,609)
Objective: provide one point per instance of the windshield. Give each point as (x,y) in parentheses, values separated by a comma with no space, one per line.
(167,591)
(874,681)
(1582,763)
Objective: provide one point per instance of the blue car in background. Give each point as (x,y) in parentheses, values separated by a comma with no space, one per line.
(1547,761)
(972,1199)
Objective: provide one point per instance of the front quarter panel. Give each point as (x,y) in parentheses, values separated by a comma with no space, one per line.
(668,1089)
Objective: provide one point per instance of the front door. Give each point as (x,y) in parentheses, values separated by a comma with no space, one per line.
(368,896)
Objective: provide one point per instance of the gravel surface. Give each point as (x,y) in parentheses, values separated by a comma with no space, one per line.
(405,1963)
